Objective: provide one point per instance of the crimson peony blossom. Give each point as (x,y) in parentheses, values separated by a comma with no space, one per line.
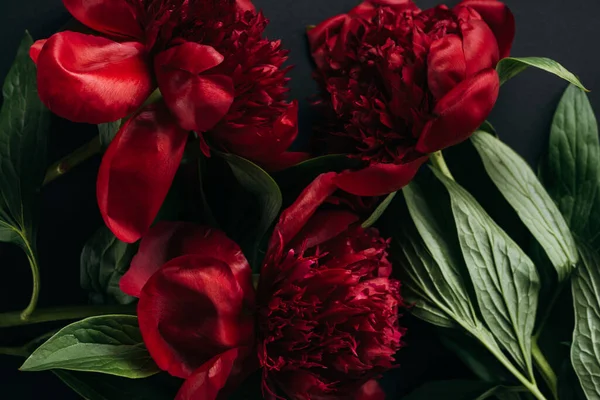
(400,83)
(217,75)
(322,324)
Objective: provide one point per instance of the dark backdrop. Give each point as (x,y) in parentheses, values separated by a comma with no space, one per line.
(566,31)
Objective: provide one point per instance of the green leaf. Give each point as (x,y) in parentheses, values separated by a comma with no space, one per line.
(93,386)
(572,171)
(23,129)
(104,260)
(521,188)
(569,387)
(510,67)
(265,191)
(585,350)
(110,344)
(107,132)
(488,127)
(379,211)
(505,279)
(444,264)
(455,390)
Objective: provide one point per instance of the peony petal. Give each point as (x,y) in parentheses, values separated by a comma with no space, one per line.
(322,226)
(480,46)
(460,112)
(208,380)
(446,65)
(293,219)
(137,171)
(319,38)
(36,49)
(198,101)
(379,179)
(112,17)
(192,310)
(265,145)
(168,240)
(92,79)
(370,391)
(499,18)
(245,5)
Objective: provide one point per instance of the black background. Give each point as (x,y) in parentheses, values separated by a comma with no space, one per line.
(565,30)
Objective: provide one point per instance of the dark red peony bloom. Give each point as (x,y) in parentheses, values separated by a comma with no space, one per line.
(401,83)
(217,75)
(322,324)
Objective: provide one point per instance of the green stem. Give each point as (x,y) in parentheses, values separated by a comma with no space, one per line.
(438,161)
(35,274)
(67,163)
(544,368)
(14,351)
(12,319)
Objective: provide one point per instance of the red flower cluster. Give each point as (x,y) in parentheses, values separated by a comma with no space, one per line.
(217,75)
(401,83)
(322,324)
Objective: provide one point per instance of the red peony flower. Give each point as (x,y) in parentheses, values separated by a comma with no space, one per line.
(217,75)
(322,324)
(401,83)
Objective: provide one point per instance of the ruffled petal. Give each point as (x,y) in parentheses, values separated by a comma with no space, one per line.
(324,36)
(168,240)
(446,66)
(92,79)
(137,171)
(480,46)
(192,310)
(379,179)
(197,99)
(499,18)
(293,219)
(460,112)
(112,17)
(208,380)
(322,226)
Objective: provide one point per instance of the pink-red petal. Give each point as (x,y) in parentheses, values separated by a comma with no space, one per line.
(36,49)
(208,380)
(379,179)
(460,112)
(168,240)
(480,46)
(500,19)
(137,171)
(192,310)
(92,79)
(446,66)
(112,17)
(322,226)
(197,98)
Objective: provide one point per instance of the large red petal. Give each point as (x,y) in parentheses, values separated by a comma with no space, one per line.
(500,19)
(293,219)
(197,99)
(245,5)
(92,79)
(446,66)
(112,17)
(168,240)
(192,310)
(460,112)
(208,380)
(137,171)
(322,226)
(480,46)
(379,179)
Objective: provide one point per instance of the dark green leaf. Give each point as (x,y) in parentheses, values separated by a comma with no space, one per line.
(379,211)
(505,279)
(510,67)
(92,386)
(265,191)
(455,390)
(107,132)
(585,350)
(110,344)
(572,171)
(104,260)
(488,127)
(441,261)
(521,188)
(569,387)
